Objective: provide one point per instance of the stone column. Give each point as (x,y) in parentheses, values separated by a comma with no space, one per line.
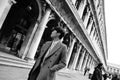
(84,62)
(90,27)
(38,35)
(81,60)
(76,57)
(70,51)
(96,2)
(91,62)
(5,6)
(81,8)
(88,63)
(92,33)
(86,19)
(91,66)
(99,11)
(26,44)
(74,1)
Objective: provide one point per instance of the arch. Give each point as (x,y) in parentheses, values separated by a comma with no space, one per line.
(22,15)
(39,9)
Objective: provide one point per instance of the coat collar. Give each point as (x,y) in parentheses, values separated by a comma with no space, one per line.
(55,48)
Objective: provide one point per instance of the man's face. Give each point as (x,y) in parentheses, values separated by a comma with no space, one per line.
(54,34)
(101,67)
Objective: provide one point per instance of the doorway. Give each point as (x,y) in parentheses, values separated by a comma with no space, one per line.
(17,23)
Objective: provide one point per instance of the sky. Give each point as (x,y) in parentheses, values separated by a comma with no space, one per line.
(112,15)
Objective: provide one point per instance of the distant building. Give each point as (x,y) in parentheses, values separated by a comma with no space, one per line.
(26,24)
(113,68)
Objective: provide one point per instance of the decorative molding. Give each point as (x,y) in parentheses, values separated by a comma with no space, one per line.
(11,2)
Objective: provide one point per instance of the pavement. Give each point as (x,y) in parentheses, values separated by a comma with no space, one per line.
(67,74)
(10,72)
(13,73)
(17,73)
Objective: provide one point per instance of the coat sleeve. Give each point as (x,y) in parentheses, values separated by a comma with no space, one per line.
(62,62)
(38,60)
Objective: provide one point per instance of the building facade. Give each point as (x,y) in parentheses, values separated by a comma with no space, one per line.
(113,69)
(25,25)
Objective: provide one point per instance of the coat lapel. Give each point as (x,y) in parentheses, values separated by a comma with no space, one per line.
(55,48)
(45,48)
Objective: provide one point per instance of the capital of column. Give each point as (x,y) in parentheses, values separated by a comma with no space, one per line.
(51,17)
(73,38)
(11,2)
(74,1)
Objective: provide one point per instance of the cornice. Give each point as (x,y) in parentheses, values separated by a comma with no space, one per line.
(98,28)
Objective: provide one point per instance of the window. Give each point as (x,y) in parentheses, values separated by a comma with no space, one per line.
(77,4)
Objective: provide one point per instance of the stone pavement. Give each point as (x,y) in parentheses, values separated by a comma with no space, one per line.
(70,75)
(13,73)
(10,72)
(16,73)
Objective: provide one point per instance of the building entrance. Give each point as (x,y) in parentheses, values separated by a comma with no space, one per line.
(20,18)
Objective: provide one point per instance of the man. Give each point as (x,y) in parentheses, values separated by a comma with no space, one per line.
(97,74)
(115,77)
(52,58)
(86,70)
(105,76)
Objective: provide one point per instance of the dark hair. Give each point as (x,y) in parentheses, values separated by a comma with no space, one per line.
(61,31)
(100,64)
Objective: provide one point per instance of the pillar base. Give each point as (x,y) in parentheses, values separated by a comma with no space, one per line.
(29,60)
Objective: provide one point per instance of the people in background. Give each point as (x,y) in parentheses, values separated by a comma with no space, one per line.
(97,74)
(105,76)
(115,77)
(86,70)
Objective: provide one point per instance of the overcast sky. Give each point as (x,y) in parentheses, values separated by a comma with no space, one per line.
(112,15)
